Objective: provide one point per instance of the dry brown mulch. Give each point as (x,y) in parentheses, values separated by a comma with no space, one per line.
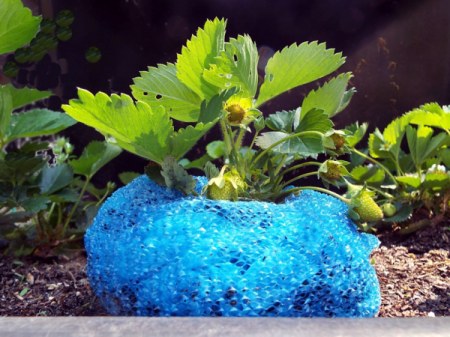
(414,276)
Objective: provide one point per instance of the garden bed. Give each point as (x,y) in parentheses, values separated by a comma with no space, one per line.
(414,275)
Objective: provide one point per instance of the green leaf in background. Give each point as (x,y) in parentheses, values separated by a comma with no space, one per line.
(412,180)
(24,96)
(37,122)
(128,176)
(422,145)
(35,204)
(54,178)
(160,86)
(198,54)
(17,25)
(355,133)
(388,144)
(296,65)
(445,155)
(6,108)
(305,146)
(215,149)
(430,114)
(286,121)
(136,127)
(314,120)
(16,167)
(332,97)
(373,174)
(236,66)
(94,157)
(437,180)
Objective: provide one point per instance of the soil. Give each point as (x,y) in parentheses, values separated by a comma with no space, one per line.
(414,275)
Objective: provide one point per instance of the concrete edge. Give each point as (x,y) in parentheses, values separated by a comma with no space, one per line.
(202,327)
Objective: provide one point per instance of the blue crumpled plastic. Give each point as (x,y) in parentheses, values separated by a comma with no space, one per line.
(154,252)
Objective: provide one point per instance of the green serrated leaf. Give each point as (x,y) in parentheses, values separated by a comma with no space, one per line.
(183,140)
(35,204)
(33,147)
(413,181)
(25,96)
(128,176)
(17,25)
(296,65)
(305,146)
(286,121)
(94,157)
(160,86)
(236,66)
(17,167)
(176,176)
(314,120)
(198,54)
(367,174)
(430,114)
(55,178)
(437,180)
(354,133)
(37,122)
(422,145)
(331,98)
(136,127)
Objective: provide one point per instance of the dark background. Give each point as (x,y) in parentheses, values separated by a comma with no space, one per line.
(399,51)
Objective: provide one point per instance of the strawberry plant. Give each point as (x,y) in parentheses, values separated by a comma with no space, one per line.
(406,166)
(214,83)
(46,194)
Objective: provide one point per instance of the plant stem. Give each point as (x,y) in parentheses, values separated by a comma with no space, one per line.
(376,162)
(301,176)
(75,206)
(298,134)
(315,188)
(226,139)
(292,168)
(239,139)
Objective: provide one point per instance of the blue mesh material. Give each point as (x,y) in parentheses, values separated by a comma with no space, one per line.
(153,252)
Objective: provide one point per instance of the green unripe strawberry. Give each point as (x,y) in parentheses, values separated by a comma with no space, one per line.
(366,207)
(330,170)
(389,209)
(226,186)
(227,192)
